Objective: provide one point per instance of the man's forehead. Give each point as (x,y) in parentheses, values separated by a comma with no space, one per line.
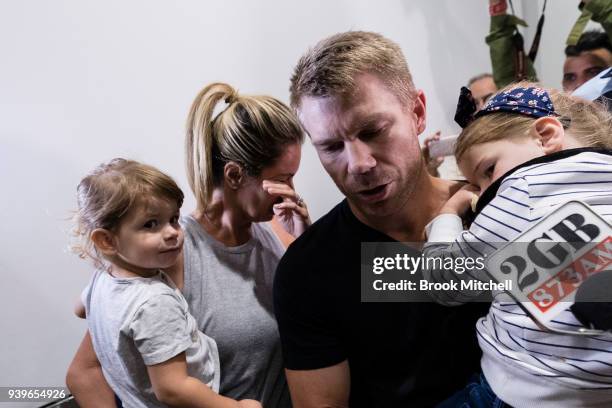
(332,117)
(603,55)
(483,85)
(586,59)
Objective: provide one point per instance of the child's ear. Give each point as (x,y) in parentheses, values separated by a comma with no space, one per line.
(549,131)
(104,241)
(233,174)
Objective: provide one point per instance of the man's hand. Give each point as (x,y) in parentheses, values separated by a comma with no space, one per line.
(461,201)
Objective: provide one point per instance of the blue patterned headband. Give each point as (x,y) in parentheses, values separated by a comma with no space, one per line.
(531,101)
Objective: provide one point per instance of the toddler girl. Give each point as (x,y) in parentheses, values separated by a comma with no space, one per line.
(149,347)
(526,152)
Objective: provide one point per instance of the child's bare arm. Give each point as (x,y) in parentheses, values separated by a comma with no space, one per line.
(174,387)
(85,379)
(447,239)
(461,201)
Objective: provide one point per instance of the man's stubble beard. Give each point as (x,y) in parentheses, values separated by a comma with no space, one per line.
(395,204)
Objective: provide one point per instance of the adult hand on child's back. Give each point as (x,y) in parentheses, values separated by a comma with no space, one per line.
(461,201)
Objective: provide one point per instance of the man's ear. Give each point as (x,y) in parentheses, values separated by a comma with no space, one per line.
(104,241)
(549,132)
(420,111)
(233,174)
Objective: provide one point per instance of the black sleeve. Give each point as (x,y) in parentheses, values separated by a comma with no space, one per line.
(309,337)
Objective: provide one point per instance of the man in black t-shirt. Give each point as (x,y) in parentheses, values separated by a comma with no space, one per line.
(354,95)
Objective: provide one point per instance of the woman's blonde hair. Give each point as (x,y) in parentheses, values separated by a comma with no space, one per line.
(589,122)
(251,131)
(108,193)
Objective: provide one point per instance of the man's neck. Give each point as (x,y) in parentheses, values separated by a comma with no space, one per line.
(408,223)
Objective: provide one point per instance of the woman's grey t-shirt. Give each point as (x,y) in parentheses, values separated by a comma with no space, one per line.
(229,292)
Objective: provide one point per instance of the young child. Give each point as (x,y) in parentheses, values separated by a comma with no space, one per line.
(525,158)
(149,347)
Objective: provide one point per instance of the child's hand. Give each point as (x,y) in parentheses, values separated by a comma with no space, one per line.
(461,201)
(247,403)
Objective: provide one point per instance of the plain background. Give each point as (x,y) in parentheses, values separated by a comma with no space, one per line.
(82,82)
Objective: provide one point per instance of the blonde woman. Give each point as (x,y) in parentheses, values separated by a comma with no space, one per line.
(241,154)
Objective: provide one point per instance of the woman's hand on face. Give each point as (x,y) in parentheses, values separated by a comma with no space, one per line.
(292,213)
(461,201)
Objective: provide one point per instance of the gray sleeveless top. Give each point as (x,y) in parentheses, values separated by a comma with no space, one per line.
(229,292)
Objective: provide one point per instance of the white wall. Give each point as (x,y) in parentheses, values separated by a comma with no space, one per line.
(83,81)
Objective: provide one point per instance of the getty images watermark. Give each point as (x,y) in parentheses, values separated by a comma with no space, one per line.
(408,264)
(564,259)
(401,272)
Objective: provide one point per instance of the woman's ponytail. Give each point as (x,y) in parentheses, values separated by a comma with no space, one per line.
(200,139)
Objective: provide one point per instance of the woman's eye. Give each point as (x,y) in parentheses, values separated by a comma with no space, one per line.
(150,224)
(489,171)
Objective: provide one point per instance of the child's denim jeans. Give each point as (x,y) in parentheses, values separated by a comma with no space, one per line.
(476,394)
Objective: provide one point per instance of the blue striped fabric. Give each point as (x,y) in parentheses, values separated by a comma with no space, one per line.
(512,343)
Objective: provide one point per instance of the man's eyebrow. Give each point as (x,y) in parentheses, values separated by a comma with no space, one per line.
(600,67)
(371,120)
(367,122)
(327,141)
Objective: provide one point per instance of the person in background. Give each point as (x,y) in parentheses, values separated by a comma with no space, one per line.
(584,60)
(482,87)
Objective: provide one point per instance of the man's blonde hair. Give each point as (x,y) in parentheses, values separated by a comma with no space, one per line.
(251,131)
(330,67)
(589,122)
